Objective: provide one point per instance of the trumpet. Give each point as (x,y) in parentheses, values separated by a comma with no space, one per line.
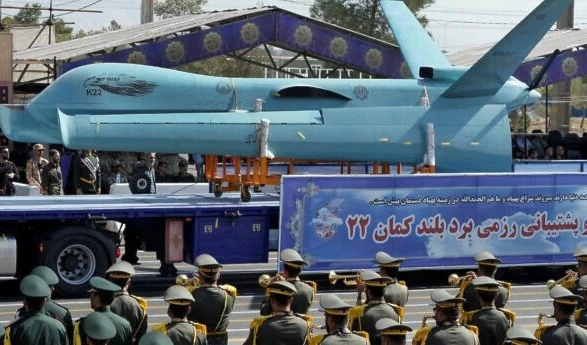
(455,280)
(265,279)
(347,279)
(189,283)
(425,318)
(570,277)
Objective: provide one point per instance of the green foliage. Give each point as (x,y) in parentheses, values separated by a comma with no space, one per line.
(28,15)
(364,16)
(113,26)
(62,31)
(579,93)
(173,8)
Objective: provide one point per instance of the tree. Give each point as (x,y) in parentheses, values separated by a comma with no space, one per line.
(28,15)
(173,8)
(62,31)
(113,26)
(364,16)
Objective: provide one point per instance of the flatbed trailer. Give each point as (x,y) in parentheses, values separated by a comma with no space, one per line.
(79,236)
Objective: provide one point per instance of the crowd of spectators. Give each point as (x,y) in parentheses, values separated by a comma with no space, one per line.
(548,146)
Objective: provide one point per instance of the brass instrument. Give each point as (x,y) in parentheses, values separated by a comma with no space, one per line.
(570,277)
(265,279)
(189,283)
(541,317)
(347,279)
(455,280)
(425,318)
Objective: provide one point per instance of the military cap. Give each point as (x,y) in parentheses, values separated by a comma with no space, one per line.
(98,326)
(34,286)
(155,338)
(387,326)
(38,147)
(485,283)
(333,305)
(120,269)
(292,258)
(580,254)
(178,295)
(372,278)
(583,282)
(564,296)
(443,299)
(486,258)
(101,284)
(385,260)
(207,265)
(47,274)
(282,287)
(521,336)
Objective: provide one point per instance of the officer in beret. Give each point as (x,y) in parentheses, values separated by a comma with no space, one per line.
(565,332)
(491,322)
(517,335)
(180,330)
(581,313)
(486,266)
(397,291)
(336,314)
(130,307)
(53,309)
(155,338)
(448,329)
(101,296)
(34,326)
(363,317)
(213,303)
(391,332)
(305,290)
(282,327)
(99,329)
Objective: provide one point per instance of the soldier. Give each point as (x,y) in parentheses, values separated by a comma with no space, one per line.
(86,173)
(213,303)
(34,326)
(520,336)
(565,332)
(581,313)
(34,166)
(132,308)
(101,296)
(363,317)
(571,279)
(487,266)
(391,332)
(491,322)
(155,338)
(292,267)
(51,177)
(98,328)
(448,329)
(397,291)
(282,327)
(180,330)
(336,318)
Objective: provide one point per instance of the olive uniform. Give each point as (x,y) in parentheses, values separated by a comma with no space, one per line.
(334,307)
(180,330)
(565,332)
(123,330)
(52,179)
(280,328)
(467,290)
(389,328)
(130,307)
(396,292)
(35,327)
(521,336)
(364,317)
(305,291)
(448,332)
(213,303)
(86,173)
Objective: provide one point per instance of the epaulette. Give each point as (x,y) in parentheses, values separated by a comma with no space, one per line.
(473,329)
(308,318)
(506,285)
(313,285)
(464,285)
(362,334)
(400,311)
(402,282)
(510,314)
(317,339)
(467,316)
(540,330)
(59,305)
(421,335)
(142,302)
(231,290)
(356,313)
(577,314)
(160,327)
(258,321)
(199,327)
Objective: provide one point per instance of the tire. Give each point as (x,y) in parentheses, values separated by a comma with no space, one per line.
(75,259)
(140,183)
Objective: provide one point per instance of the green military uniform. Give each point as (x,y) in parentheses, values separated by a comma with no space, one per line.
(86,173)
(213,303)
(280,328)
(305,291)
(34,326)
(155,338)
(130,307)
(389,328)
(565,332)
(521,336)
(180,330)
(448,332)
(468,290)
(334,307)
(396,292)
(52,179)
(123,330)
(491,322)
(364,317)
(97,326)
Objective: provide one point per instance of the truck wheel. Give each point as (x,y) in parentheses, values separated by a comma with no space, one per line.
(75,259)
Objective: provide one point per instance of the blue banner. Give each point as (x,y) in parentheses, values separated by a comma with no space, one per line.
(340,222)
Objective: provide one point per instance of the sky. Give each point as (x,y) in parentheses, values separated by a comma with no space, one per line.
(455,24)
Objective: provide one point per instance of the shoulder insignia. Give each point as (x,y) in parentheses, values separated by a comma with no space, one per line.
(59,305)
(506,285)
(142,302)
(313,285)
(160,327)
(201,328)
(510,314)
(362,334)
(231,290)
(356,313)
(6,336)
(77,338)
(308,318)
(402,282)
(473,329)
(421,335)
(467,316)
(540,330)
(317,339)
(258,321)
(400,311)
(577,314)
